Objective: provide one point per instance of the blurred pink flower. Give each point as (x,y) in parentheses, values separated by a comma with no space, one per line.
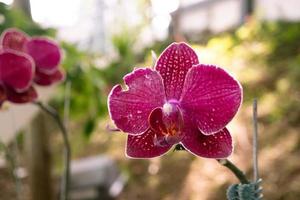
(180,101)
(16,75)
(45,53)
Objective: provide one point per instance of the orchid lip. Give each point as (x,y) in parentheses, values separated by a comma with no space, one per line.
(166,140)
(168,121)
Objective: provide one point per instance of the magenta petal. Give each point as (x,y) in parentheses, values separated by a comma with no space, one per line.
(218,145)
(130,109)
(13,39)
(211,96)
(45,52)
(24,97)
(143,146)
(48,79)
(173,64)
(16,70)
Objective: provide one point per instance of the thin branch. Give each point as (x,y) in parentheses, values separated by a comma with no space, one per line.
(235,170)
(67,149)
(255,142)
(67,103)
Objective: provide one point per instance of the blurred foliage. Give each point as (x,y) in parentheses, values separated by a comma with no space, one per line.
(123,44)
(15,18)
(127,56)
(266,58)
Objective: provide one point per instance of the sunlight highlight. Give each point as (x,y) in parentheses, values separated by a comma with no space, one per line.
(55,13)
(162,16)
(8,2)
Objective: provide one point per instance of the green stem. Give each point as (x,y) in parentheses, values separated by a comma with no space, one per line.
(67,149)
(235,170)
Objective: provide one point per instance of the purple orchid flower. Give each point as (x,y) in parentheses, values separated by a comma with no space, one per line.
(45,53)
(178,102)
(16,76)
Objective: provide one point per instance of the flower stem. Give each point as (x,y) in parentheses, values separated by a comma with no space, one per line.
(67,149)
(235,170)
(255,141)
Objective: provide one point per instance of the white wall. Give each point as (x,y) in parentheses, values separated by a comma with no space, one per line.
(278,9)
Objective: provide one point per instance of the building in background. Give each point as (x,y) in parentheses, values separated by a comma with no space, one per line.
(196,16)
(91,23)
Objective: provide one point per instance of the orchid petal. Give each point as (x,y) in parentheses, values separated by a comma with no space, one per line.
(16,70)
(48,79)
(143,146)
(218,145)
(24,97)
(45,52)
(14,39)
(173,64)
(211,96)
(130,109)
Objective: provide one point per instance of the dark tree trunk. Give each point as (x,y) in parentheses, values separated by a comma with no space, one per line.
(24,6)
(39,159)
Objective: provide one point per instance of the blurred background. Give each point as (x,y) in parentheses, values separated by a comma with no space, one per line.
(258,41)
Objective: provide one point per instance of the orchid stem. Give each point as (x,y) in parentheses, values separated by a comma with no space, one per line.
(67,149)
(255,145)
(255,142)
(235,170)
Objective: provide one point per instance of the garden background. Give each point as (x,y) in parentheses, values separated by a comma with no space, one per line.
(102,40)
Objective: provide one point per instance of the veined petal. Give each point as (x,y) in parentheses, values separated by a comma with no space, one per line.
(130,109)
(211,97)
(48,79)
(218,145)
(173,64)
(13,38)
(143,146)
(24,97)
(45,52)
(16,70)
